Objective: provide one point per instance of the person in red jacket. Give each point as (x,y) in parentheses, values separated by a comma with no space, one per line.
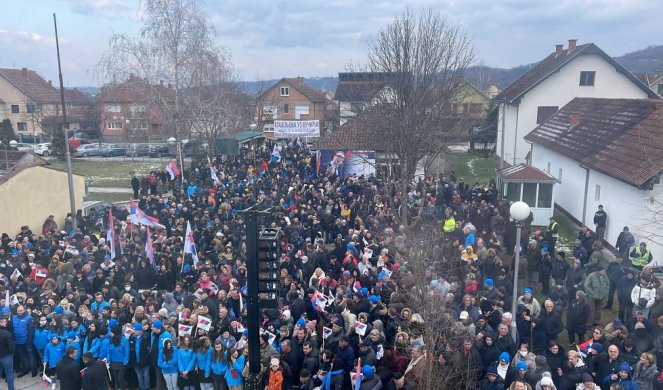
(39,273)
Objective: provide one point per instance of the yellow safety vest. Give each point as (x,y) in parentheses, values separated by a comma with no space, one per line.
(449,225)
(641,259)
(551,228)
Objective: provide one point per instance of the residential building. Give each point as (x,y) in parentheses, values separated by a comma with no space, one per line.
(30,192)
(357,90)
(577,71)
(607,152)
(129,111)
(292,99)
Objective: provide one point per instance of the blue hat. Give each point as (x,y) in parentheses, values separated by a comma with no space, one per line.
(527,290)
(364,291)
(597,347)
(5,311)
(381,275)
(489,282)
(71,335)
(504,357)
(374,299)
(107,257)
(521,366)
(112,323)
(138,326)
(157,324)
(301,323)
(245,333)
(368,371)
(545,250)
(59,310)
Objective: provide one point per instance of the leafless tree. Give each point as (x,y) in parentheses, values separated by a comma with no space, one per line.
(422,57)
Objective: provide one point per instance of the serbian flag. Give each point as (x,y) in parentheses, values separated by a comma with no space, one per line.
(138,217)
(47,381)
(314,299)
(149,248)
(172,169)
(204,323)
(110,234)
(317,162)
(584,347)
(212,170)
(357,385)
(190,245)
(356,287)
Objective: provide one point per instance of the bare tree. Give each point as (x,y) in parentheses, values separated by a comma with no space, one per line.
(423,58)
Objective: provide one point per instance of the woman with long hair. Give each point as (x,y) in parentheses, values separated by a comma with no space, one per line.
(233,375)
(168,364)
(92,341)
(219,366)
(118,357)
(186,361)
(203,364)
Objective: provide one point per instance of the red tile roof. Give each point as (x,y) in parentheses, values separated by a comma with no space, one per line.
(622,138)
(31,85)
(311,93)
(76,97)
(133,90)
(552,63)
(524,172)
(352,136)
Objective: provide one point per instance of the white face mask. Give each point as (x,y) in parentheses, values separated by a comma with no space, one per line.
(523,353)
(127,288)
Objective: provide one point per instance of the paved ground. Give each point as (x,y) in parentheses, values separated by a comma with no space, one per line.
(25,383)
(122,190)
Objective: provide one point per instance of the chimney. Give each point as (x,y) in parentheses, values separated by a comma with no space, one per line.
(559,49)
(300,79)
(50,82)
(574,119)
(24,72)
(572,45)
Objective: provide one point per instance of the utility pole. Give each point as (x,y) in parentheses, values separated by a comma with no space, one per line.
(252,381)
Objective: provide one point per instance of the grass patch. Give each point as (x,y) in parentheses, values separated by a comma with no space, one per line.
(108,173)
(108,197)
(472,167)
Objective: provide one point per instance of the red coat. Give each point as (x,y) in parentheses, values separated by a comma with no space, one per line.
(39,274)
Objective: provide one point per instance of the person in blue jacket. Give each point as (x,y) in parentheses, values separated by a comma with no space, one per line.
(92,342)
(233,376)
(52,354)
(203,362)
(219,366)
(159,336)
(139,345)
(623,377)
(118,357)
(41,337)
(73,341)
(168,364)
(186,362)
(23,328)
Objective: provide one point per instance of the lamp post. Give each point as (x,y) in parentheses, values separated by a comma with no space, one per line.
(173,141)
(12,144)
(519,213)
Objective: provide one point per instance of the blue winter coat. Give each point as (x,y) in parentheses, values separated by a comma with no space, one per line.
(234,374)
(76,344)
(204,362)
(53,354)
(41,338)
(186,360)
(118,353)
(168,366)
(219,367)
(23,328)
(93,347)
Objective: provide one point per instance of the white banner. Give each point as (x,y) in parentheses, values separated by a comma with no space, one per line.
(294,129)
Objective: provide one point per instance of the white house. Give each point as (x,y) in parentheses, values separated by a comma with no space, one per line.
(357,90)
(577,71)
(607,152)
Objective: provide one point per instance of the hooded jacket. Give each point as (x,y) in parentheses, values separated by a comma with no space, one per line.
(627,384)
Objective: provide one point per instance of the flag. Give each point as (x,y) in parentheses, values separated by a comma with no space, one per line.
(356,287)
(183,316)
(172,169)
(357,385)
(241,300)
(360,328)
(7,298)
(47,380)
(317,163)
(212,170)
(110,234)
(204,323)
(185,329)
(314,299)
(149,248)
(276,154)
(138,217)
(190,245)
(17,274)
(13,300)
(326,332)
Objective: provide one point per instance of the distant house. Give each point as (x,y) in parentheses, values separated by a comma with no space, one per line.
(577,71)
(292,99)
(30,192)
(32,104)
(130,111)
(606,152)
(356,90)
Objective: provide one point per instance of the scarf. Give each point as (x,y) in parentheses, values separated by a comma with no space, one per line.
(326,383)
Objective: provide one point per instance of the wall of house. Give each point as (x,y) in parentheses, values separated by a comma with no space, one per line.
(33,194)
(625,204)
(11,96)
(294,99)
(557,90)
(507,119)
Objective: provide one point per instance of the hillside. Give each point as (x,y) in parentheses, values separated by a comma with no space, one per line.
(648,60)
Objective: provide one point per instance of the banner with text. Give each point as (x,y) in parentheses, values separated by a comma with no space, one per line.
(294,129)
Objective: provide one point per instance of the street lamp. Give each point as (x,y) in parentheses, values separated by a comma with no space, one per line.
(519,213)
(173,141)
(12,144)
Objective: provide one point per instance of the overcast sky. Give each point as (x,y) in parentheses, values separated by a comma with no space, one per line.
(273,39)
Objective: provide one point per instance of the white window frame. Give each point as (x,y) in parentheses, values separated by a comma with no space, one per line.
(114,125)
(285,91)
(21,124)
(114,108)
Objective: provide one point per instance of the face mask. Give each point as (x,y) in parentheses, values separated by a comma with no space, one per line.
(523,353)
(127,288)
(42,323)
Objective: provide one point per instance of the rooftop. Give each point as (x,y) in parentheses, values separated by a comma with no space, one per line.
(31,85)
(525,173)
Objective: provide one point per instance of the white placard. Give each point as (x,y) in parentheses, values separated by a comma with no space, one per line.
(294,129)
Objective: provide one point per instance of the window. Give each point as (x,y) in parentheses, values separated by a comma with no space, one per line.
(587,78)
(513,191)
(30,108)
(114,125)
(544,199)
(545,112)
(285,91)
(137,108)
(114,108)
(597,193)
(15,109)
(286,108)
(559,177)
(529,193)
(301,110)
(22,126)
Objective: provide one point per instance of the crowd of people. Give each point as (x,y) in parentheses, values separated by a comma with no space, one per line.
(140,313)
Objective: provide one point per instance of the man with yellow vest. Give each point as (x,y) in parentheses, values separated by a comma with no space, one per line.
(552,233)
(641,256)
(449,222)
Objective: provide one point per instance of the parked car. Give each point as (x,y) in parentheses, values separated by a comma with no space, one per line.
(101,206)
(22,147)
(113,150)
(159,151)
(44,149)
(137,150)
(88,150)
